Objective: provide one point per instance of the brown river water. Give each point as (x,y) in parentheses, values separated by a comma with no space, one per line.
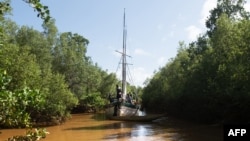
(94,127)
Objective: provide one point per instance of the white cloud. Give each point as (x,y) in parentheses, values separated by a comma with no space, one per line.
(142,52)
(207,6)
(247,6)
(139,76)
(136,76)
(193,32)
(161,61)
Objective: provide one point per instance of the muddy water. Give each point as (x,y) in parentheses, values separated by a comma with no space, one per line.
(89,127)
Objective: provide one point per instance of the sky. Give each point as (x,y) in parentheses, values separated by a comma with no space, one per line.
(154,29)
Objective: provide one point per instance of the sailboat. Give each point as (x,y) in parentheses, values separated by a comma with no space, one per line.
(121,106)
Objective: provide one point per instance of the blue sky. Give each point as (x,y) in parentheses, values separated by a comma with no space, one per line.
(154,28)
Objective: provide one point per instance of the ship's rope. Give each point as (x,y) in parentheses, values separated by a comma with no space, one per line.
(118,66)
(130,77)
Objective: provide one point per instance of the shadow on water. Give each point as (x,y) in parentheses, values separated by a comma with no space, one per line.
(190,131)
(99,117)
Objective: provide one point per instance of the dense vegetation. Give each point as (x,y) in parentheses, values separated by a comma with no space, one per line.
(44,76)
(209,79)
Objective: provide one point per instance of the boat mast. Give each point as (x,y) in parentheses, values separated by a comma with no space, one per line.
(124,63)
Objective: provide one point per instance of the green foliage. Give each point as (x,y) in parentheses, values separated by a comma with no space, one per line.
(35,135)
(50,72)
(209,79)
(50,32)
(107,85)
(58,67)
(59,99)
(43,11)
(234,9)
(16,106)
(70,60)
(94,100)
(82,76)
(33,69)
(4,8)
(21,65)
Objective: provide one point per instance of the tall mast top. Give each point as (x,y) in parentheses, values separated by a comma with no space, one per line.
(124,16)
(124,57)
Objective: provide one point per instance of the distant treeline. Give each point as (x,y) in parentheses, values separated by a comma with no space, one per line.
(209,79)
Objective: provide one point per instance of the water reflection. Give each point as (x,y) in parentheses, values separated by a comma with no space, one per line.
(144,131)
(131,131)
(97,128)
(141,130)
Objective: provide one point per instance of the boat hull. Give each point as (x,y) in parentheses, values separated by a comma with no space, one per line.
(122,111)
(146,118)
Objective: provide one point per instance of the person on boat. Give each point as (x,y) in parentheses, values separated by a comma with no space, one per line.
(129,98)
(118,92)
(118,97)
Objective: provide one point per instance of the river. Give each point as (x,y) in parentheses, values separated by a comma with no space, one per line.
(90,127)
